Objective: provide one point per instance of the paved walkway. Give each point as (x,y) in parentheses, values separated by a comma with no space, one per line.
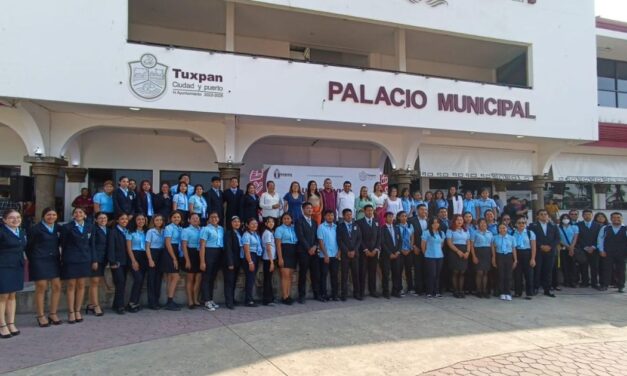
(581,330)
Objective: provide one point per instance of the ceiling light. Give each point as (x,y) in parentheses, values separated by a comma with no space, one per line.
(298,119)
(364,125)
(134,108)
(520,136)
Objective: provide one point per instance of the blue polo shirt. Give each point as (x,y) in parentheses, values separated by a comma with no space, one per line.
(408,204)
(213,236)
(328,234)
(434,244)
(570,230)
(268,239)
(199,205)
(407,230)
(191,235)
(523,239)
(253,242)
(138,240)
(155,238)
(182,202)
(470,206)
(504,244)
(485,205)
(105,201)
(482,239)
(287,234)
(441,203)
(459,236)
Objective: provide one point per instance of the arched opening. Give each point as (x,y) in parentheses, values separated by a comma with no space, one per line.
(12,163)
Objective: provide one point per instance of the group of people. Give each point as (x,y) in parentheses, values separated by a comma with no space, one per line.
(438,242)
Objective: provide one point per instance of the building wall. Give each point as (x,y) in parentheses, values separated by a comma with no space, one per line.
(12,149)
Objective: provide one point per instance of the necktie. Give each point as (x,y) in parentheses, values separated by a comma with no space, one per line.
(391,229)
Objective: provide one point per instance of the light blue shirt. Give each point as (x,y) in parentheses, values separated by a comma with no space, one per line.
(441,203)
(15,232)
(493,228)
(328,234)
(523,239)
(287,234)
(199,205)
(213,236)
(268,240)
(191,235)
(571,231)
(50,228)
(408,205)
(504,244)
(173,232)
(138,240)
(182,202)
(407,230)
(484,205)
(155,239)
(175,189)
(470,206)
(482,239)
(80,228)
(434,244)
(601,238)
(105,201)
(253,242)
(459,236)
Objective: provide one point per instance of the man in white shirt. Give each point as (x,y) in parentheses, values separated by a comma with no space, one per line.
(345,200)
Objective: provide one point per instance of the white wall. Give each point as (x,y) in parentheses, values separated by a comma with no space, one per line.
(12,151)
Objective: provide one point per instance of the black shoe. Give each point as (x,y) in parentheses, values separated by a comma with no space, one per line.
(557,288)
(549,294)
(230,306)
(358,297)
(120,311)
(154,307)
(251,304)
(132,308)
(191,306)
(528,297)
(46,325)
(386,296)
(171,306)
(336,299)
(374,295)
(517,295)
(343,298)
(322,300)
(396,295)
(301,300)
(15,333)
(603,288)
(53,322)
(5,335)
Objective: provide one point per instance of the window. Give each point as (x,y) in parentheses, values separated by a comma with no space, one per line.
(615,197)
(612,83)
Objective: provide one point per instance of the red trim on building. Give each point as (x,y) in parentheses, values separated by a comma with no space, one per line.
(604,23)
(611,136)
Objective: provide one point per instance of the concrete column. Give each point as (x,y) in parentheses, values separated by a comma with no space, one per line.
(45,171)
(401,50)
(227,171)
(230,27)
(230,127)
(402,178)
(599,196)
(537,193)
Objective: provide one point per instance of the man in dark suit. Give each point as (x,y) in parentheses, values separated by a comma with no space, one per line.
(369,250)
(214,198)
(390,260)
(123,199)
(349,241)
(420,225)
(587,242)
(307,253)
(233,199)
(612,244)
(547,240)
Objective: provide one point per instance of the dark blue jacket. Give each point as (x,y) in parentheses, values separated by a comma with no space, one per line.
(77,247)
(43,244)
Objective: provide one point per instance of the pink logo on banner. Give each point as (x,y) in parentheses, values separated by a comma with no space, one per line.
(258,178)
(384,182)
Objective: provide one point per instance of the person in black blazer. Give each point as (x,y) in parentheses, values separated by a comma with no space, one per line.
(146,201)
(44,264)
(307,251)
(117,258)
(233,199)
(214,197)
(546,244)
(12,246)
(123,198)
(349,241)
(587,242)
(77,261)
(390,260)
(163,201)
(420,224)
(232,253)
(249,203)
(369,250)
(99,236)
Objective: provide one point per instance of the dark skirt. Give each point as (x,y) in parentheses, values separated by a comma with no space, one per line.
(288,252)
(484,254)
(455,262)
(194,260)
(166,263)
(12,279)
(74,271)
(44,268)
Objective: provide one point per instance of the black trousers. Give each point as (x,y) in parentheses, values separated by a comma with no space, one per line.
(362,263)
(419,273)
(614,263)
(138,276)
(543,276)
(119,281)
(230,278)
(568,267)
(155,277)
(504,263)
(396,266)
(268,291)
(249,287)
(371,265)
(590,270)
(433,267)
(384,264)
(407,266)
(308,263)
(523,270)
(330,270)
(212,263)
(352,266)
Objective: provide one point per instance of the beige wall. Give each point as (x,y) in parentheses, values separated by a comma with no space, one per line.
(12,149)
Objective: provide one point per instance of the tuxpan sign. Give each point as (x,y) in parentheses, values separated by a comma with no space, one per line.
(148,77)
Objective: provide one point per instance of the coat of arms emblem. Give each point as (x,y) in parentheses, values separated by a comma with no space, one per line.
(148,78)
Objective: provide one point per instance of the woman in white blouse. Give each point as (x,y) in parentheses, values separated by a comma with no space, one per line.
(270,202)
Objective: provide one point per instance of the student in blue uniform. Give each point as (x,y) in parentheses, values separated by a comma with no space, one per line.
(180,202)
(233,247)
(12,246)
(432,247)
(198,204)
(183,178)
(77,262)
(484,203)
(117,257)
(155,250)
(124,198)
(504,260)
(285,238)
(170,258)
(252,252)
(329,263)
(440,200)
(526,256)
(569,233)
(493,226)
(269,263)
(211,250)
(481,248)
(99,244)
(190,243)
(136,249)
(44,264)
(458,242)
(103,201)
(409,205)
(470,204)
(407,250)
(249,203)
